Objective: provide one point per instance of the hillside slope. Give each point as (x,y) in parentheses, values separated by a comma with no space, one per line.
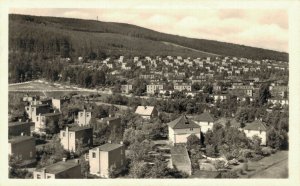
(76,37)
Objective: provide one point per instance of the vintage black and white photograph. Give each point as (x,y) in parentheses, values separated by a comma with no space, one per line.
(148,93)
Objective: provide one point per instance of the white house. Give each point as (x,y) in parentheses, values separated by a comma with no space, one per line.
(258,128)
(147,112)
(205,121)
(181,128)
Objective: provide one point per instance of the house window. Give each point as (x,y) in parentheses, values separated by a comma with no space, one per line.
(94,155)
(191,129)
(37,118)
(81,114)
(30,154)
(38,176)
(64,134)
(260,131)
(48,177)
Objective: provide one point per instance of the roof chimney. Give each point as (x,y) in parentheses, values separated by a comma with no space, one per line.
(22,133)
(64,159)
(121,142)
(20,119)
(109,141)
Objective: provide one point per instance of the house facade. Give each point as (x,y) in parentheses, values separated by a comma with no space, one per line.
(42,120)
(147,112)
(106,158)
(257,128)
(23,147)
(71,137)
(205,121)
(181,128)
(83,118)
(152,88)
(19,128)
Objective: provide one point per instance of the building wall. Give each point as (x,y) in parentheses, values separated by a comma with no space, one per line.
(117,159)
(56,103)
(262,135)
(74,172)
(180,135)
(17,130)
(67,139)
(103,161)
(205,126)
(104,164)
(25,149)
(94,161)
(84,118)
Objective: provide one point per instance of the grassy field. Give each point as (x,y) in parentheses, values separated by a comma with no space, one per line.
(39,85)
(273,166)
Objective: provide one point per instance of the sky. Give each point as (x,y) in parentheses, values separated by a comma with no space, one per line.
(264,28)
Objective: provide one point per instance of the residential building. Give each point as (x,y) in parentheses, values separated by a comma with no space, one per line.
(181,128)
(70,138)
(66,169)
(58,102)
(126,88)
(22,147)
(147,112)
(152,88)
(19,128)
(42,121)
(180,159)
(106,158)
(83,118)
(183,86)
(205,121)
(258,128)
(280,101)
(34,110)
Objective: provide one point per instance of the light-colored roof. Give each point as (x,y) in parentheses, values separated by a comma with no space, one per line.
(144,110)
(182,123)
(255,125)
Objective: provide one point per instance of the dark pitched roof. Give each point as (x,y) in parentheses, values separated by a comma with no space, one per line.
(109,146)
(205,116)
(19,139)
(182,123)
(51,114)
(59,166)
(19,123)
(77,128)
(255,125)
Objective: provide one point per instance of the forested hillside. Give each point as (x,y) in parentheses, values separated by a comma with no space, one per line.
(52,36)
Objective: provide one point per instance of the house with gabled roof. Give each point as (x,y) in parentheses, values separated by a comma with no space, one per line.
(205,121)
(147,112)
(258,128)
(181,128)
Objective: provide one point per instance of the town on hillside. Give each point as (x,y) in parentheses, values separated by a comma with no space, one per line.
(149,117)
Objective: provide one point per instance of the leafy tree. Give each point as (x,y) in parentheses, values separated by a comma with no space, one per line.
(263,94)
